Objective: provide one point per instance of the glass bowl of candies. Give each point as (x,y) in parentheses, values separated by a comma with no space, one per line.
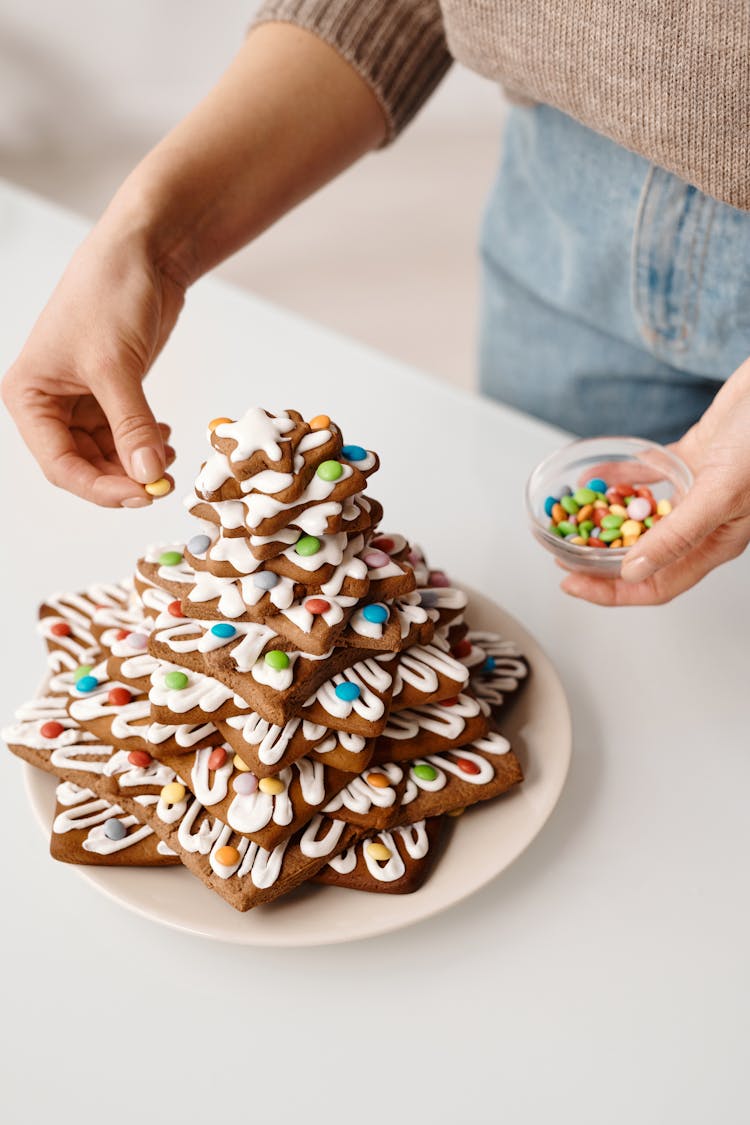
(592,500)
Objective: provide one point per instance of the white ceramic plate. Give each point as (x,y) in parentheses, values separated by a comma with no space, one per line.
(484,841)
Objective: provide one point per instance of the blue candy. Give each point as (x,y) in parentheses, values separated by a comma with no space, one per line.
(87,683)
(115,829)
(375,613)
(348,692)
(597,485)
(549,504)
(489,665)
(223,629)
(353,453)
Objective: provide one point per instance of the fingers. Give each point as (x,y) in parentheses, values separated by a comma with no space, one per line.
(673,538)
(137,436)
(54,447)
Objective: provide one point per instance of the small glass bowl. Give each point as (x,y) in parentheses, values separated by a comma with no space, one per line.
(575,464)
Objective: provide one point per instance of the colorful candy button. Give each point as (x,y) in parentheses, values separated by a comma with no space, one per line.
(217,422)
(663,508)
(82,670)
(428,598)
(353,453)
(449,702)
(172,793)
(603,516)
(439,578)
(170,558)
(265,580)
(140,758)
(424,771)
(277,660)
(118,696)
(467,766)
(198,545)
(271,786)
(383,543)
(87,683)
(376,559)
(239,765)
(549,504)
(138,641)
(245,784)
(329,470)
(596,484)
(60,629)
(462,648)
(377,780)
(317,605)
(319,422)
(122,634)
(489,665)
(376,614)
(174,609)
(307,545)
(379,852)
(51,730)
(227,856)
(639,508)
(217,758)
(176,681)
(159,487)
(114,829)
(347,692)
(223,629)
(457,812)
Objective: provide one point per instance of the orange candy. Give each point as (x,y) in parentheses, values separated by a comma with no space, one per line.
(377,780)
(217,422)
(227,856)
(320,422)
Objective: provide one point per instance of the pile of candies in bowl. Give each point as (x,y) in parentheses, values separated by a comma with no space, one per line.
(592,500)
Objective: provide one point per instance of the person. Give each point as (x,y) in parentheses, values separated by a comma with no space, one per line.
(615,245)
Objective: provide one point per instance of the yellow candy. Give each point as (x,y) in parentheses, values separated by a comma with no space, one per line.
(629,540)
(158,487)
(173,793)
(457,812)
(271,785)
(217,422)
(618,510)
(227,856)
(601,504)
(320,422)
(240,765)
(631,528)
(379,852)
(663,508)
(578,541)
(616,543)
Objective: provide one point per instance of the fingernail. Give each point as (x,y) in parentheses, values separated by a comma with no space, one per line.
(135,502)
(146,465)
(637,570)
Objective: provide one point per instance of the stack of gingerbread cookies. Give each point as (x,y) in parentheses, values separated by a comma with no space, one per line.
(290,695)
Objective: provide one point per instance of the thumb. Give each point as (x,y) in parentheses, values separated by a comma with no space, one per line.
(677,534)
(136,434)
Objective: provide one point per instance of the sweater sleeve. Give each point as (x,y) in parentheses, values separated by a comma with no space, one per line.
(397,46)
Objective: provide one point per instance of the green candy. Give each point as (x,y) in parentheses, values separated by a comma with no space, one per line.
(176,681)
(170,558)
(586,527)
(307,545)
(425,772)
(570,505)
(649,521)
(584,496)
(81,671)
(610,534)
(553,528)
(566,528)
(611,522)
(628,499)
(330,470)
(600,495)
(277,660)
(584,535)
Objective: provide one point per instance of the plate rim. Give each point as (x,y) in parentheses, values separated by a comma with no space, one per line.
(39,786)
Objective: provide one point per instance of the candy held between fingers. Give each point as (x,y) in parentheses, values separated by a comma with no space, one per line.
(158,487)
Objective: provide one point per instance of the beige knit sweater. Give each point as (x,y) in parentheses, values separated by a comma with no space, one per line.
(669,79)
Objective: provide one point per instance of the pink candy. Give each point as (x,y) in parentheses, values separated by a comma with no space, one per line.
(138,641)
(640,508)
(439,578)
(376,559)
(245,784)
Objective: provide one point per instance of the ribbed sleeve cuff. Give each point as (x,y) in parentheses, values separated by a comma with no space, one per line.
(397,46)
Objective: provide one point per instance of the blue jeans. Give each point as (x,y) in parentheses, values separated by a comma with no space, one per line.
(616,297)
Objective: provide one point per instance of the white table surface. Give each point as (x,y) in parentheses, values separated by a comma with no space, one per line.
(603,978)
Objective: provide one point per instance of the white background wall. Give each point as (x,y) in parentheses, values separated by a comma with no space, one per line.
(385,254)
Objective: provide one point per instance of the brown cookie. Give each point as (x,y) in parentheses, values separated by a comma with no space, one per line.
(431,729)
(267,748)
(259,440)
(343,751)
(391,862)
(427,674)
(356,699)
(91,830)
(372,800)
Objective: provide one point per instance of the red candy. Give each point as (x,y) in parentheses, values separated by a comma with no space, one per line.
(122,634)
(383,543)
(217,758)
(439,578)
(466,766)
(461,648)
(175,609)
(119,696)
(51,730)
(60,629)
(317,605)
(140,758)
(449,702)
